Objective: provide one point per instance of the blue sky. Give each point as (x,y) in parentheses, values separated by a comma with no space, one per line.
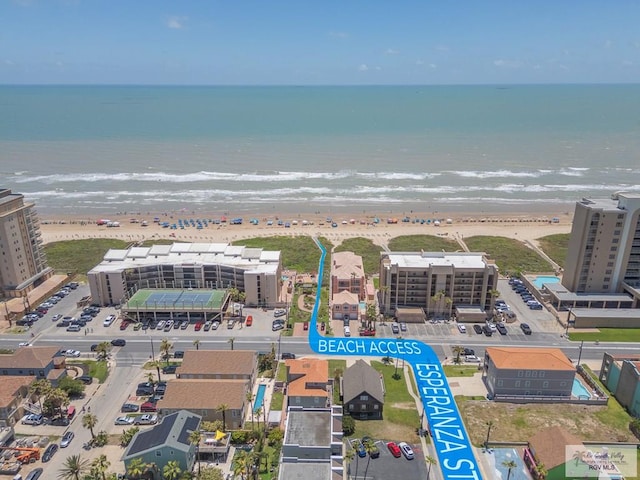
(303,42)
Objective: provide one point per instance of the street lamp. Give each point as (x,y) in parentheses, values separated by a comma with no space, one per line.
(486,442)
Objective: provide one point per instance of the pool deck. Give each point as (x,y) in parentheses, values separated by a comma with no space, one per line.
(266,402)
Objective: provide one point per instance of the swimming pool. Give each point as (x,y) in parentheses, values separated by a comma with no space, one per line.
(363,305)
(257,404)
(579,390)
(541,280)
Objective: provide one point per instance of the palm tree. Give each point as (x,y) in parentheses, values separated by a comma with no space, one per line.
(171,470)
(371,314)
(231,342)
(151,378)
(196,343)
(458,350)
(89,421)
(156,364)
(250,397)
(101,465)
(222,408)
(348,457)
(541,470)
(40,388)
(429,460)
(73,468)
(242,464)
(510,465)
(258,412)
(102,350)
(136,467)
(369,447)
(165,349)
(194,439)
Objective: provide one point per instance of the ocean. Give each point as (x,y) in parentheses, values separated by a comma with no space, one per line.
(107,149)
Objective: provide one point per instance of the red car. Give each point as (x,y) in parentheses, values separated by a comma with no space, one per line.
(124,325)
(394,449)
(151,407)
(249,321)
(198,326)
(368,333)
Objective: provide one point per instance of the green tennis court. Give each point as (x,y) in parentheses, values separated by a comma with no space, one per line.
(176,299)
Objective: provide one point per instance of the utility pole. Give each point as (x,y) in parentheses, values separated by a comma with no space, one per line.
(153,353)
(580,352)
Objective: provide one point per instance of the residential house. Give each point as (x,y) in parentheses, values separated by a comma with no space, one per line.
(312,444)
(307,383)
(219,365)
(528,372)
(363,391)
(203,397)
(345,306)
(347,274)
(621,376)
(39,362)
(167,441)
(13,396)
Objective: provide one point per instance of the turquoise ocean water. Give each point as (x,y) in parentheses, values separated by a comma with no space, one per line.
(241,149)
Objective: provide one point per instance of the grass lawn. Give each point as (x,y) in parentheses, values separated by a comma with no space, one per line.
(369,251)
(400,414)
(96,369)
(79,256)
(282,373)
(428,243)
(277,399)
(510,255)
(556,247)
(333,364)
(460,370)
(607,335)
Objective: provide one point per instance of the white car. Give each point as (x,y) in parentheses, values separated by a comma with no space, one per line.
(472,359)
(24,344)
(406,450)
(462,328)
(126,420)
(70,353)
(279,312)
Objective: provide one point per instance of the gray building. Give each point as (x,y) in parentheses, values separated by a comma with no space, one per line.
(167,441)
(621,375)
(528,372)
(362,391)
(437,282)
(24,265)
(312,445)
(604,247)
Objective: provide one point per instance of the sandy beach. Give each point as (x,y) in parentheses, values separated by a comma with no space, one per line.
(524,226)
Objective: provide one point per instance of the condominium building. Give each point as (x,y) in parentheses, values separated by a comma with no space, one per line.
(23,265)
(347,274)
(604,247)
(254,271)
(437,282)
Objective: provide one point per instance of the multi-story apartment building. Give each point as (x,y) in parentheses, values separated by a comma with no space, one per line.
(347,274)
(621,375)
(604,247)
(254,271)
(23,265)
(436,281)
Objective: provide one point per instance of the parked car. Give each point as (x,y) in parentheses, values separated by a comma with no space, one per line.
(486,330)
(287,356)
(395,328)
(32,419)
(129,408)
(148,407)
(178,354)
(86,379)
(49,452)
(34,474)
(477,328)
(249,321)
(471,359)
(501,329)
(374,451)
(207,326)
(146,420)
(403,327)
(161,325)
(462,328)
(367,333)
(536,306)
(394,449)
(406,450)
(74,328)
(56,317)
(359,448)
(119,342)
(70,353)
(198,326)
(469,351)
(276,325)
(169,369)
(279,312)
(525,328)
(66,439)
(168,326)
(126,420)
(184,325)
(215,325)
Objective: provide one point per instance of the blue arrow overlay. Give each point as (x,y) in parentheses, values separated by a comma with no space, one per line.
(455,454)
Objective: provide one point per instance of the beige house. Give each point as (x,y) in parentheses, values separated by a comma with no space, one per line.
(13,395)
(204,397)
(307,383)
(345,306)
(219,365)
(518,371)
(24,265)
(347,274)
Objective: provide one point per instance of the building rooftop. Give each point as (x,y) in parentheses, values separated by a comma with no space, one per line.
(362,377)
(345,297)
(308,428)
(307,371)
(28,358)
(563,294)
(255,259)
(344,264)
(204,394)
(549,446)
(10,385)
(174,429)
(218,362)
(437,259)
(520,358)
(305,471)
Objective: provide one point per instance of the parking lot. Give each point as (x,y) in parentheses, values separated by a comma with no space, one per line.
(387,466)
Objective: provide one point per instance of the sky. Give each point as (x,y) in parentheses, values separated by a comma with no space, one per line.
(322,42)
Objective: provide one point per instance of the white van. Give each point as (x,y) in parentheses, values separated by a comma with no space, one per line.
(347,331)
(109,320)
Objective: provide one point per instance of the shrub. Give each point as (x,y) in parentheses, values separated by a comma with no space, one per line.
(239,436)
(348,425)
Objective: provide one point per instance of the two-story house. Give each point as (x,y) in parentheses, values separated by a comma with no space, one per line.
(39,362)
(219,365)
(307,383)
(362,391)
